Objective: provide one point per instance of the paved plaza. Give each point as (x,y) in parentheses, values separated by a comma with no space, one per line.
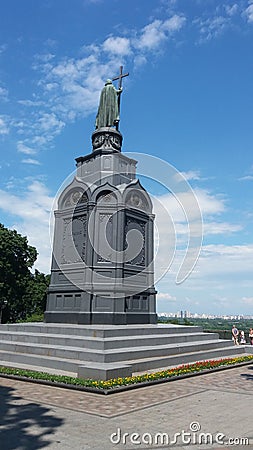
(219,405)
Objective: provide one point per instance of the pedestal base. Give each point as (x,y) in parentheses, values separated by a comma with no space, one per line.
(86,308)
(82,318)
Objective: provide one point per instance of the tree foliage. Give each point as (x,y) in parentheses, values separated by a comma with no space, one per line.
(36,292)
(22,291)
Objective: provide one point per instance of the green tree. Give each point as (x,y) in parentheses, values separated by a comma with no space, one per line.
(21,291)
(36,293)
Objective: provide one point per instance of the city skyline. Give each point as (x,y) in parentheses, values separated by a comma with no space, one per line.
(190,315)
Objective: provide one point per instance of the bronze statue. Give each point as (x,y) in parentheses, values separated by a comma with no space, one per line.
(108,110)
(109,104)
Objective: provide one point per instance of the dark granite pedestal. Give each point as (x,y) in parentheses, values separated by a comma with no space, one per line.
(102,264)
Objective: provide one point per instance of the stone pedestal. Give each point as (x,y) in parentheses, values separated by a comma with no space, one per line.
(102,265)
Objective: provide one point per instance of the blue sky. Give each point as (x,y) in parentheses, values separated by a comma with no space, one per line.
(187,101)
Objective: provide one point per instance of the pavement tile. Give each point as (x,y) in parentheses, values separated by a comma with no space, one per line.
(34,416)
(107,406)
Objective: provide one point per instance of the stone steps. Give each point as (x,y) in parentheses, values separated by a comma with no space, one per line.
(33,361)
(103,351)
(70,366)
(109,355)
(103,343)
(38,368)
(103,331)
(184,358)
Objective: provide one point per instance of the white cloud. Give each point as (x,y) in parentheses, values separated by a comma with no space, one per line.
(246,178)
(219,259)
(51,86)
(247,301)
(224,228)
(153,34)
(4,129)
(31,103)
(117,45)
(72,86)
(50,123)
(3,93)
(212,27)
(22,148)
(191,175)
(222,271)
(32,209)
(38,130)
(31,161)
(165,296)
(209,203)
(174,23)
(45,57)
(233,251)
(33,204)
(248,13)
(140,60)
(40,140)
(172,234)
(168,207)
(69,88)
(231,10)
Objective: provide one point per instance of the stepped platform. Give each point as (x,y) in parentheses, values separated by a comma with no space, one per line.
(108,351)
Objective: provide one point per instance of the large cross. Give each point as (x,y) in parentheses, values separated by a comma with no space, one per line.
(121,75)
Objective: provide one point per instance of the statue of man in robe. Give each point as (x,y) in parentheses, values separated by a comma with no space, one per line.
(108,110)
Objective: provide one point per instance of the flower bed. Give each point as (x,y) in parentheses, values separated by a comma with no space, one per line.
(119,383)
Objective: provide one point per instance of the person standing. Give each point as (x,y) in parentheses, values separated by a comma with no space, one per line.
(251,336)
(235,334)
(242,338)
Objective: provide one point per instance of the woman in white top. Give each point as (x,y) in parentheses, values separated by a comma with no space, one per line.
(242,338)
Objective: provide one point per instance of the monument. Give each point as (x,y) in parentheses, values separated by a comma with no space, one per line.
(100,319)
(102,264)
